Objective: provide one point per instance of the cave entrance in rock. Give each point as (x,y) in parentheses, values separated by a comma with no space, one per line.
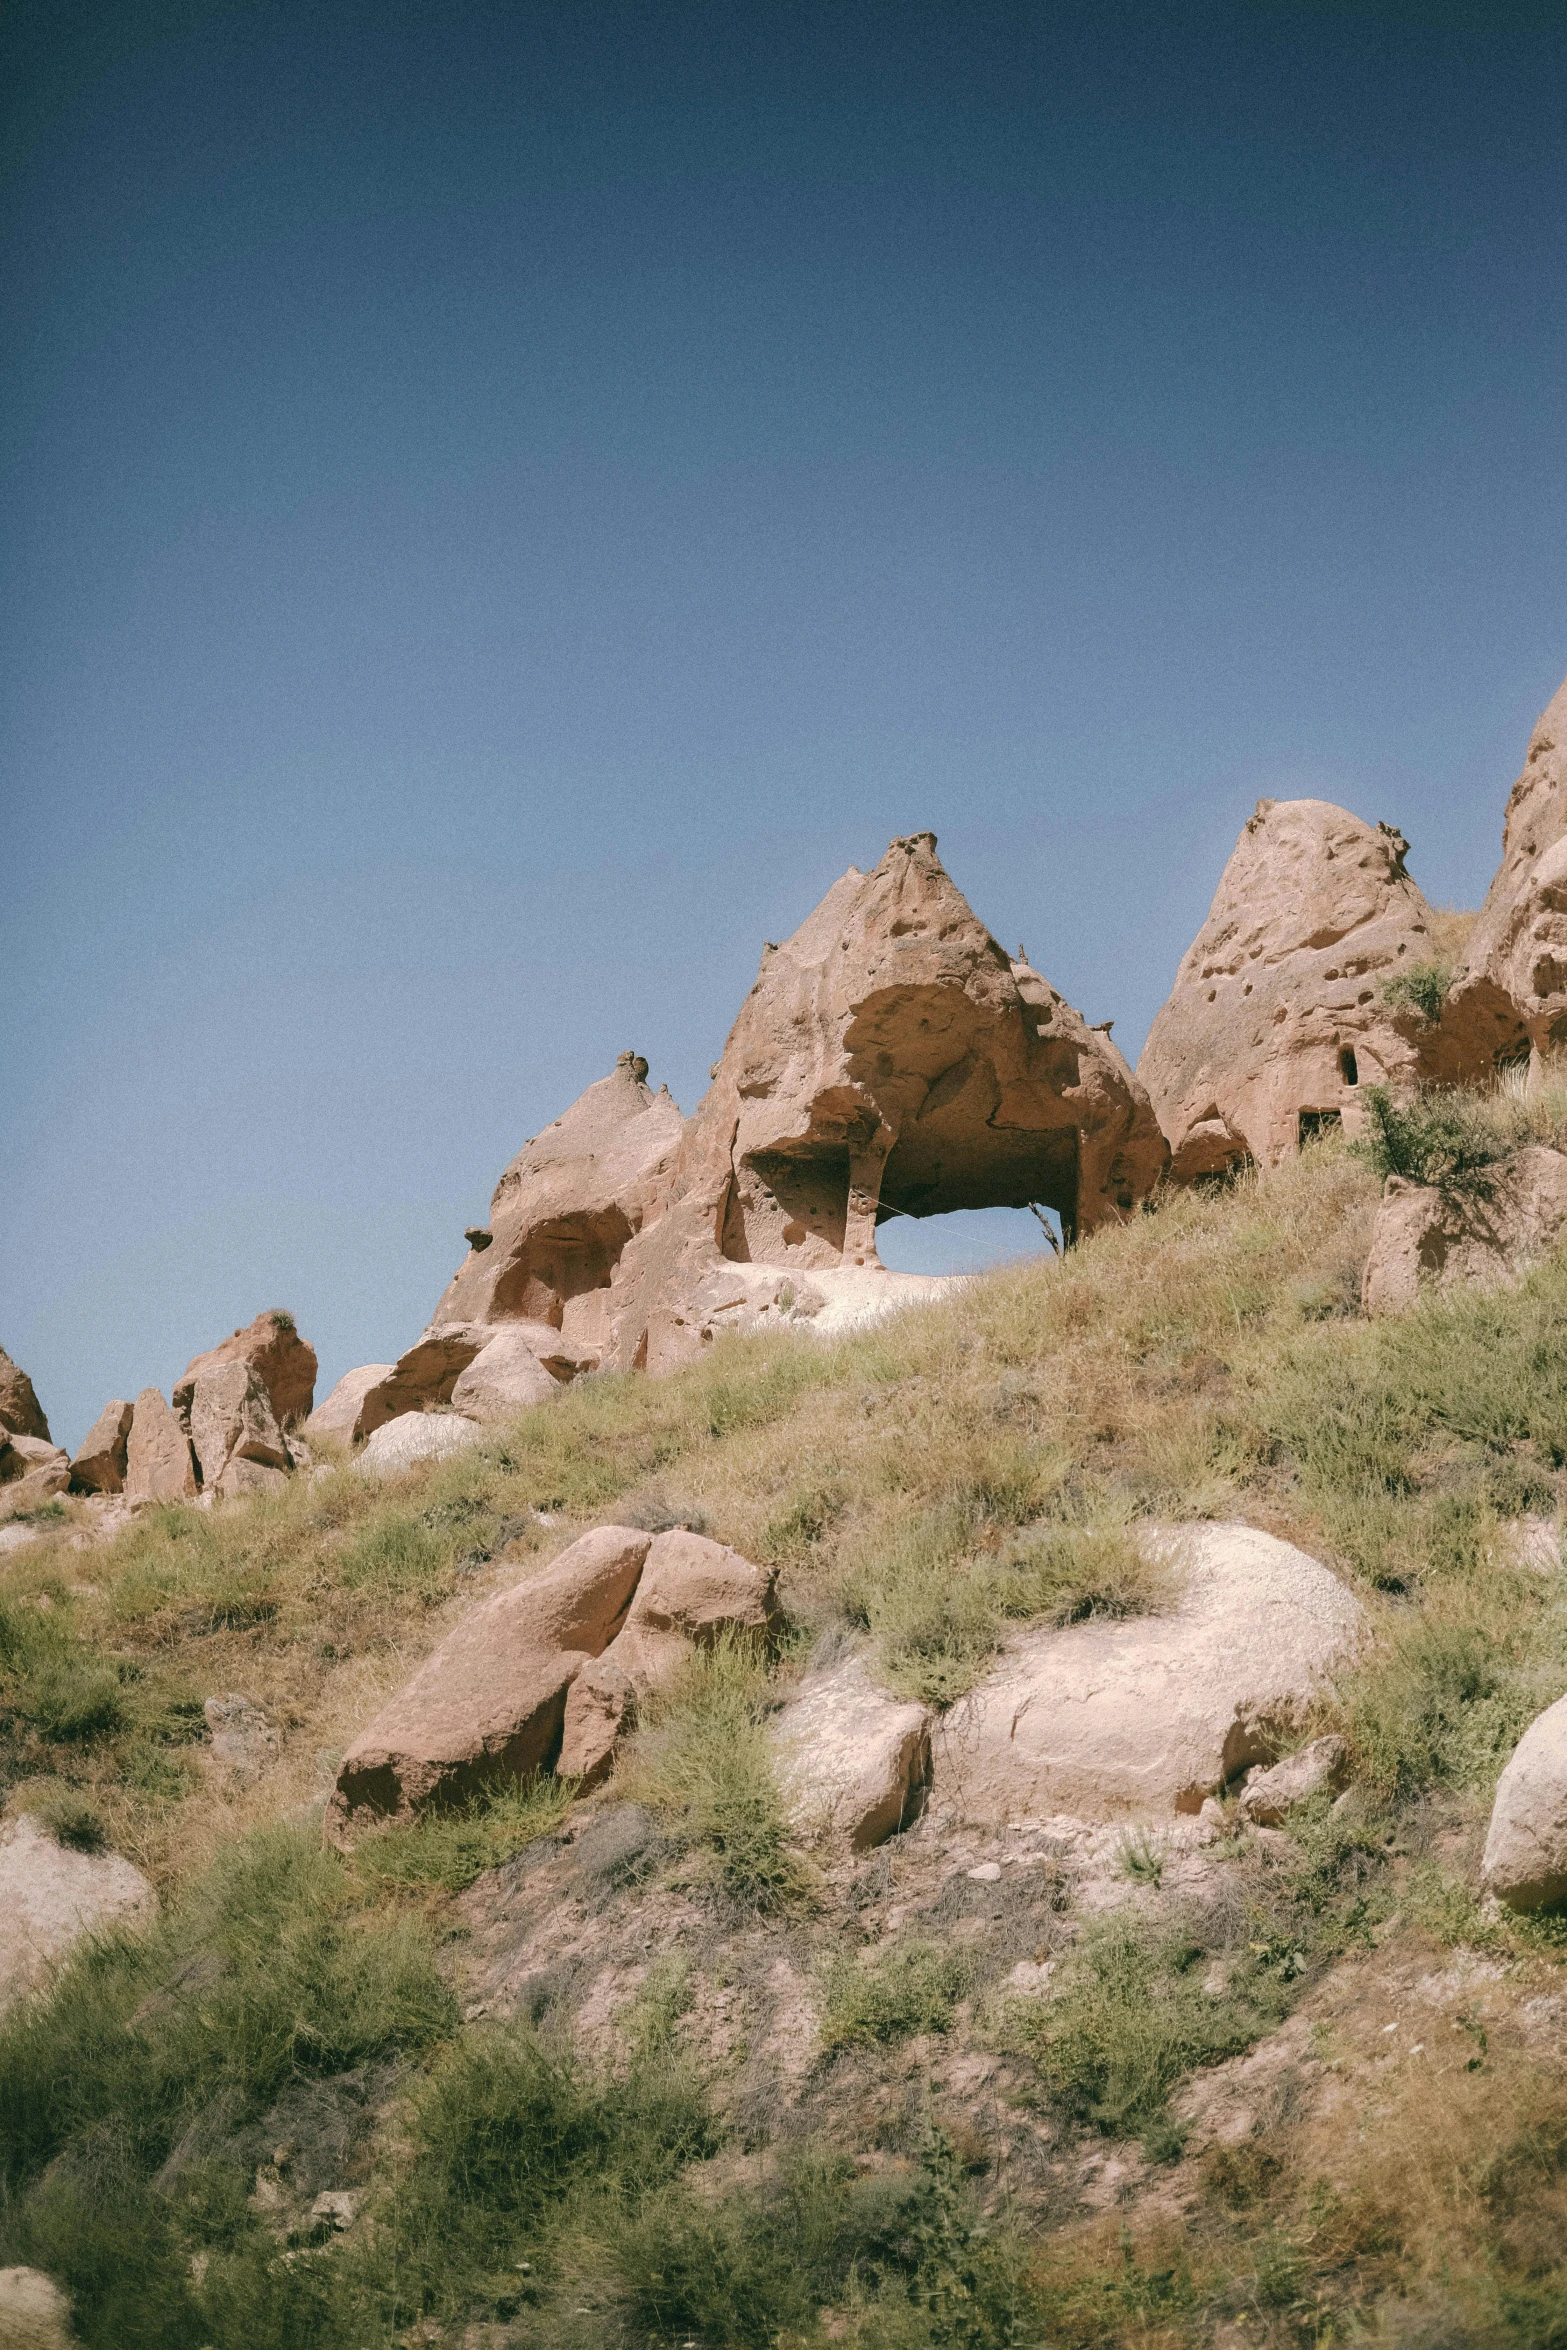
(964,1240)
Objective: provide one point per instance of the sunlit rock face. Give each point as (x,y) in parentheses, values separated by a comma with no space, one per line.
(890,1059)
(1510,996)
(1278,1018)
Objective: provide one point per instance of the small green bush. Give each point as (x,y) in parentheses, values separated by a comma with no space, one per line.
(1132,2021)
(1419,987)
(396,1553)
(912,1987)
(703,1765)
(1446,1139)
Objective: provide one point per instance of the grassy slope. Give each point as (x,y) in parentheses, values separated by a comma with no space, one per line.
(921,1487)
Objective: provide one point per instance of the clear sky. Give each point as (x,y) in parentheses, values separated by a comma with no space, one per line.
(499,505)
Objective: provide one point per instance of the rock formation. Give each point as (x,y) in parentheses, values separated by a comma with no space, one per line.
(416,1436)
(234,1434)
(890,1059)
(1153,1714)
(20,1410)
(34,2313)
(339,1415)
(32,1471)
(1525,1859)
(489,1704)
(99,1466)
(1321,1768)
(853,1762)
(282,1360)
(1278,1016)
(535,1281)
(1510,994)
(1488,1235)
(159,1465)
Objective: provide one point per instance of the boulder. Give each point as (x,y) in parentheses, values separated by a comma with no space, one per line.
(489,1704)
(505,1377)
(690,1591)
(1489,1236)
(232,1426)
(159,1465)
(416,1436)
(34,2312)
(20,1410)
(565,1208)
(853,1761)
(1524,1863)
(339,1415)
(1322,1767)
(50,1898)
(1509,997)
(281,1359)
(32,1471)
(243,1740)
(1152,1714)
(601,1706)
(99,1466)
(422,1378)
(890,1059)
(1277,1017)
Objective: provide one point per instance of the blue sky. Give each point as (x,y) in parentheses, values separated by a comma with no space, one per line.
(500,505)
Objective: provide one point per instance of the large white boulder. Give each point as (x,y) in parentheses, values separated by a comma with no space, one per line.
(1525,1859)
(34,2313)
(1152,1714)
(50,1897)
(416,1436)
(853,1762)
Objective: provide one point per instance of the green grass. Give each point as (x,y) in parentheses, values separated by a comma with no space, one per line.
(447,1850)
(703,1765)
(1420,987)
(911,1987)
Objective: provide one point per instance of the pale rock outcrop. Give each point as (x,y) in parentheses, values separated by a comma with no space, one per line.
(34,2312)
(489,1704)
(234,1434)
(32,1471)
(690,1591)
(1525,1859)
(99,1466)
(51,1897)
(1152,1714)
(282,1360)
(416,1436)
(565,1208)
(1277,1016)
(1487,1236)
(504,1377)
(1320,1768)
(891,1058)
(1510,993)
(159,1464)
(339,1414)
(20,1410)
(243,1740)
(853,1761)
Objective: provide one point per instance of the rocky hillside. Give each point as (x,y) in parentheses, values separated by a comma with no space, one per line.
(1239,2052)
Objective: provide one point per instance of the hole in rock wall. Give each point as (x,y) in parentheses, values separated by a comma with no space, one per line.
(1315,1122)
(1348,1067)
(968,1240)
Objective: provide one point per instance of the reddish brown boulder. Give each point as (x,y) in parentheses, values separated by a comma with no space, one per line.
(234,1434)
(564,1210)
(1510,995)
(31,1471)
(339,1415)
(99,1466)
(1487,1237)
(1278,1016)
(489,1704)
(158,1463)
(891,1059)
(20,1409)
(281,1359)
(691,1591)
